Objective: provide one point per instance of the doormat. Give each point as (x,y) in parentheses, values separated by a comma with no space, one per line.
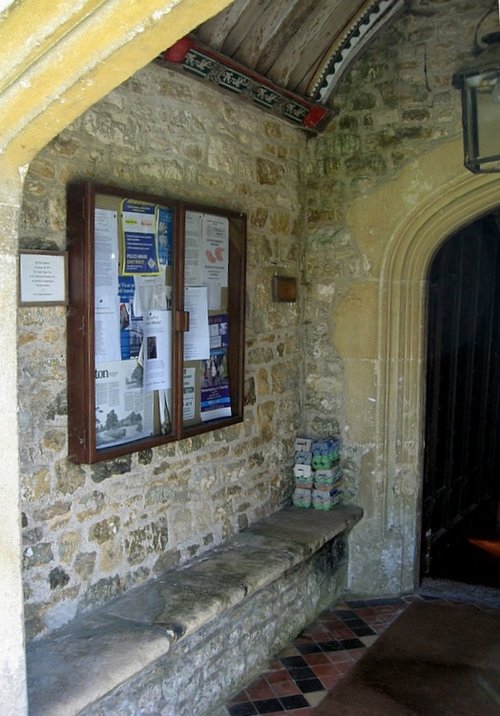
(461,592)
(434,660)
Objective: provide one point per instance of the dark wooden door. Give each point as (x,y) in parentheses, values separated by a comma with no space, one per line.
(462,440)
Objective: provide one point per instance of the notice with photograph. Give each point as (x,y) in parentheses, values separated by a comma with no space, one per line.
(157,355)
(164,404)
(151,294)
(123,411)
(130,323)
(215,394)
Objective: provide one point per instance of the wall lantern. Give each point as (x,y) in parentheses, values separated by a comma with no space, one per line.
(480,87)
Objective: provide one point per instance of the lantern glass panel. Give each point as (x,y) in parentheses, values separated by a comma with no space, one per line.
(485,91)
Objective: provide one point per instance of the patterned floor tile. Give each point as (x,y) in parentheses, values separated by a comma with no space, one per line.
(301,675)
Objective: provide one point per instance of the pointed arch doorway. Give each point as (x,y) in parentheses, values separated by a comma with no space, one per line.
(462,420)
(394,470)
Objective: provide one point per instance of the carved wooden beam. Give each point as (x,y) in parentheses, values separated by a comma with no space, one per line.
(203,63)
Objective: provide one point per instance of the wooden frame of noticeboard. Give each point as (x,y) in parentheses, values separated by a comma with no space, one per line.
(155,320)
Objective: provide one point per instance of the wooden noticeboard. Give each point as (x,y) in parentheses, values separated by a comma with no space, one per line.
(155,320)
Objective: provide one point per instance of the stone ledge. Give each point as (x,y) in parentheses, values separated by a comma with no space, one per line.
(85,660)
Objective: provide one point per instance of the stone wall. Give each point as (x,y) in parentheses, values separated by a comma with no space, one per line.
(92,532)
(396,104)
(394,146)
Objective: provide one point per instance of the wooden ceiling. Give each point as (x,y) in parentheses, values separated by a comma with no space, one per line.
(299,47)
(291,41)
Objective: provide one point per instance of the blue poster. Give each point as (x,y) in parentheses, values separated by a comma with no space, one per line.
(215,394)
(139,238)
(165,235)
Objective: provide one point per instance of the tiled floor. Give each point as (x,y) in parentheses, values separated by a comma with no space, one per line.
(303,673)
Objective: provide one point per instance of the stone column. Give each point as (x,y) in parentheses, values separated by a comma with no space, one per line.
(13,698)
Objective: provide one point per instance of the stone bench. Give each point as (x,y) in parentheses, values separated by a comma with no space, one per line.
(183,643)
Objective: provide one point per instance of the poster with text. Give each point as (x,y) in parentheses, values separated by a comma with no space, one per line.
(188,394)
(106,305)
(157,356)
(215,394)
(193,249)
(165,235)
(215,233)
(139,238)
(197,338)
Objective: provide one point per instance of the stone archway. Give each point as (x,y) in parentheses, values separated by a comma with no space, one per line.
(401,348)
(382,347)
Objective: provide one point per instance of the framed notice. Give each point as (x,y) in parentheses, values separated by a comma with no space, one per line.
(43,278)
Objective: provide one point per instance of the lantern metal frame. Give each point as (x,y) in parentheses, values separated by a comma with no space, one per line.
(479,84)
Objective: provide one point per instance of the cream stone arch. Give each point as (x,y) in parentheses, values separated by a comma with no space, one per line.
(61,57)
(57,59)
(401,349)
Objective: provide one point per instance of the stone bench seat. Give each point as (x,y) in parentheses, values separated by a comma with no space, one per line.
(82,667)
